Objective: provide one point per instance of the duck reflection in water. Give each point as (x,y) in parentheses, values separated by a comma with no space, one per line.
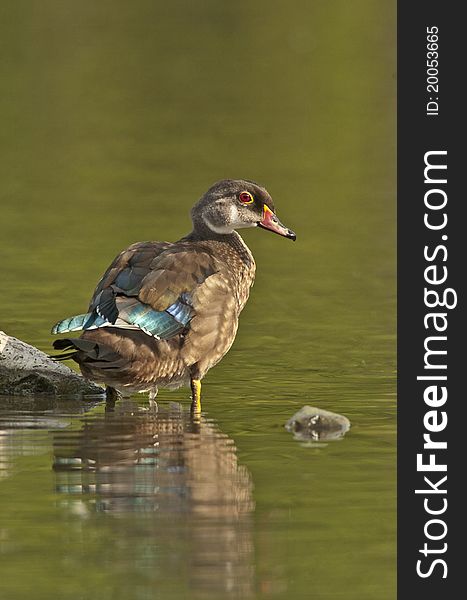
(182,472)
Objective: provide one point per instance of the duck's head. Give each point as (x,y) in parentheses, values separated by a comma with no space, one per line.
(235,204)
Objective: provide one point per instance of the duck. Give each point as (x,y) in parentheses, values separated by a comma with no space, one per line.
(164,313)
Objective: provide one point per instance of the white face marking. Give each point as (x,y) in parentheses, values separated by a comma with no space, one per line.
(234,218)
(222,229)
(233,214)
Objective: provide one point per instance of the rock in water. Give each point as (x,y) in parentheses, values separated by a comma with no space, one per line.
(311,423)
(25,370)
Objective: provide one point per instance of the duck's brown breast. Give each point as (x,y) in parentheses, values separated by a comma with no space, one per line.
(218,303)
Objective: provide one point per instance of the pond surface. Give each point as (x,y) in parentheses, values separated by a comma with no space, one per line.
(116,117)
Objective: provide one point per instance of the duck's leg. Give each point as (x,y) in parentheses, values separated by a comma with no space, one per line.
(195,396)
(111,396)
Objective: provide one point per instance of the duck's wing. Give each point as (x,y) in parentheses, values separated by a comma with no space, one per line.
(130,267)
(152,286)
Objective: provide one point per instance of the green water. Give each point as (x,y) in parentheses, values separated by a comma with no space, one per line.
(116,116)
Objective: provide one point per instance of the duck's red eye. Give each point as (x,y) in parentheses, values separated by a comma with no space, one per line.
(246,198)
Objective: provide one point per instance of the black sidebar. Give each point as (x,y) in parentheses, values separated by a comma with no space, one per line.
(432,355)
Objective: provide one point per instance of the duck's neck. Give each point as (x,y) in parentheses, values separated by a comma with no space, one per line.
(202,233)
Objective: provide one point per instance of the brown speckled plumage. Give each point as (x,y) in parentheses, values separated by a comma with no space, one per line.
(209,273)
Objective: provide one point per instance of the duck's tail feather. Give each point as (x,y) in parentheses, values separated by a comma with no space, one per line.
(89,320)
(71,346)
(87,351)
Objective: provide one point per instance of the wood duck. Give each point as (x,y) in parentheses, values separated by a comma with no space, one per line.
(164,313)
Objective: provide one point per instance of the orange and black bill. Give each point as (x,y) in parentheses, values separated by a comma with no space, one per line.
(271,222)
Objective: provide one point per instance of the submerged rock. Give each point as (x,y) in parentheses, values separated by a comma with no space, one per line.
(25,371)
(316,424)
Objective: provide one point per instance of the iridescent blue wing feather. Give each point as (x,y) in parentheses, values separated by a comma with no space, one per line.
(161,324)
(79,322)
(133,314)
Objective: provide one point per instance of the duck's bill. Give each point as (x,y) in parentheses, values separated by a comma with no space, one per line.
(271,222)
